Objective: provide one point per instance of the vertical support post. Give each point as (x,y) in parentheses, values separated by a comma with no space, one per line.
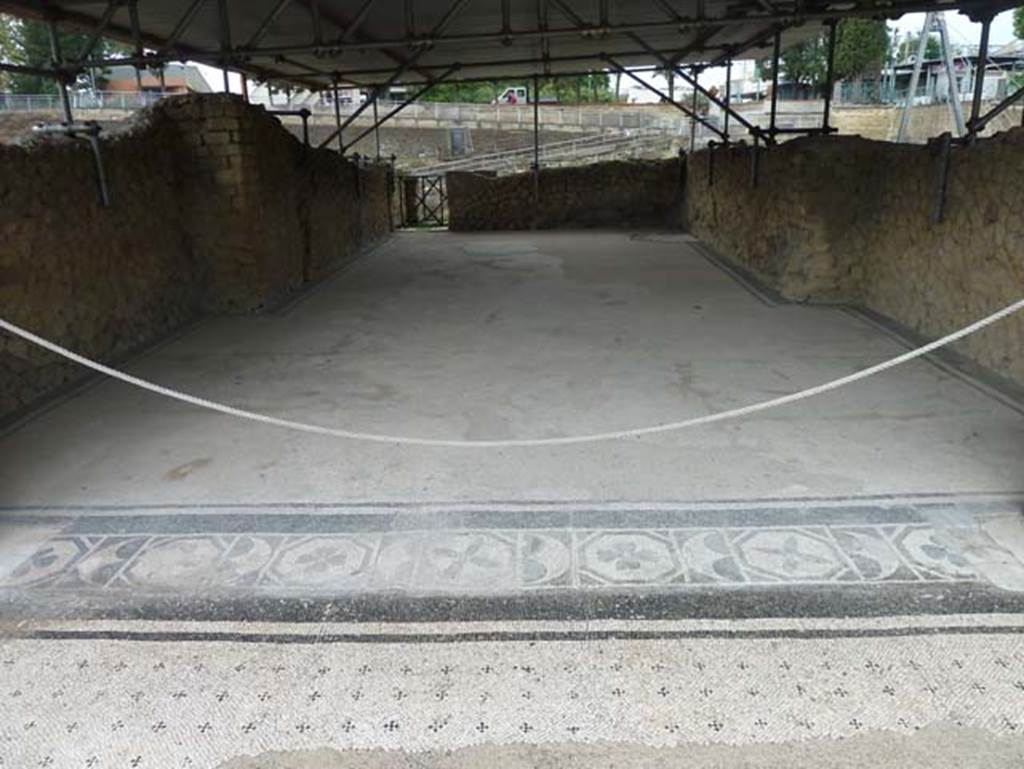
(245,87)
(163,80)
(56,59)
(952,89)
(536,146)
(755,159)
(693,109)
(829,74)
(915,76)
(728,97)
(376,122)
(945,150)
(979,78)
(337,116)
(775,84)
(224,21)
(133,18)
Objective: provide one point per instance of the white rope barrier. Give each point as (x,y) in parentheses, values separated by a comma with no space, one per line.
(720,416)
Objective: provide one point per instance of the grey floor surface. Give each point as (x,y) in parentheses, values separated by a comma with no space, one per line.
(818,585)
(512,336)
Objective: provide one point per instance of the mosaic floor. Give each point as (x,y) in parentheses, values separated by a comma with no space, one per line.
(180,637)
(518,551)
(160,697)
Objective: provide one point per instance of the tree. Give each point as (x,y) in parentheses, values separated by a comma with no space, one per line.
(861,48)
(1018,22)
(30,47)
(7,47)
(908,48)
(805,63)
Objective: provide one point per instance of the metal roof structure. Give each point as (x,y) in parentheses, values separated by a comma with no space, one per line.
(316,43)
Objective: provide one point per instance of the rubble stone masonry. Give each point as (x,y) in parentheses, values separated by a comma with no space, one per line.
(612,194)
(215,208)
(846,219)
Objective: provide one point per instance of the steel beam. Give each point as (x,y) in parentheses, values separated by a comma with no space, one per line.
(915,76)
(452,69)
(728,99)
(692,81)
(101,26)
(776,50)
(979,78)
(830,66)
(979,124)
(56,59)
(337,121)
(362,107)
(692,115)
(181,26)
(267,23)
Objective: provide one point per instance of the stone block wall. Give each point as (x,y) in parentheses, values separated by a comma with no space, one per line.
(613,194)
(848,219)
(214,208)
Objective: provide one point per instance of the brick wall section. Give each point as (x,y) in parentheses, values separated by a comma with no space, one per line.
(847,219)
(215,208)
(614,194)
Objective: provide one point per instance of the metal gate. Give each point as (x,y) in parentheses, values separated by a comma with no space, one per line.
(425,200)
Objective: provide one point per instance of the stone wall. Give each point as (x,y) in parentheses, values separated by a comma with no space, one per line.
(847,219)
(214,208)
(614,194)
(926,121)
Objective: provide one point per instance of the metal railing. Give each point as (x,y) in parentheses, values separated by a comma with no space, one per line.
(568,152)
(80,100)
(555,116)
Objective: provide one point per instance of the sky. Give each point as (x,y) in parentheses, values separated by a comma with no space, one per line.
(961,30)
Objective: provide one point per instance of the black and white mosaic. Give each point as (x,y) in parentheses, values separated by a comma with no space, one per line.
(524,551)
(504,559)
(115,700)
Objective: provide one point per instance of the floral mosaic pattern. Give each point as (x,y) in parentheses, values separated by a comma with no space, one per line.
(494,560)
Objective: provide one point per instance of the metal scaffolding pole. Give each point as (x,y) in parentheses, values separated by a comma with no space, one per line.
(947,62)
(337,118)
(62,86)
(776,50)
(376,123)
(915,76)
(728,98)
(693,106)
(829,74)
(979,78)
(536,124)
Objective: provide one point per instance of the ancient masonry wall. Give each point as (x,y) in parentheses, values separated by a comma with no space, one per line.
(848,219)
(613,194)
(214,208)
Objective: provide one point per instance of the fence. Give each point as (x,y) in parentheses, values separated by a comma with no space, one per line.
(101,100)
(571,152)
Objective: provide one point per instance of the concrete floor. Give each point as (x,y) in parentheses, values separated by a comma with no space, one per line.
(520,335)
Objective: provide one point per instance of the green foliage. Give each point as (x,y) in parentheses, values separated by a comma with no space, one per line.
(862,46)
(908,48)
(1018,22)
(30,46)
(861,49)
(805,63)
(7,49)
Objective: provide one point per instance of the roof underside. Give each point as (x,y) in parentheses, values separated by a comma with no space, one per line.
(311,42)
